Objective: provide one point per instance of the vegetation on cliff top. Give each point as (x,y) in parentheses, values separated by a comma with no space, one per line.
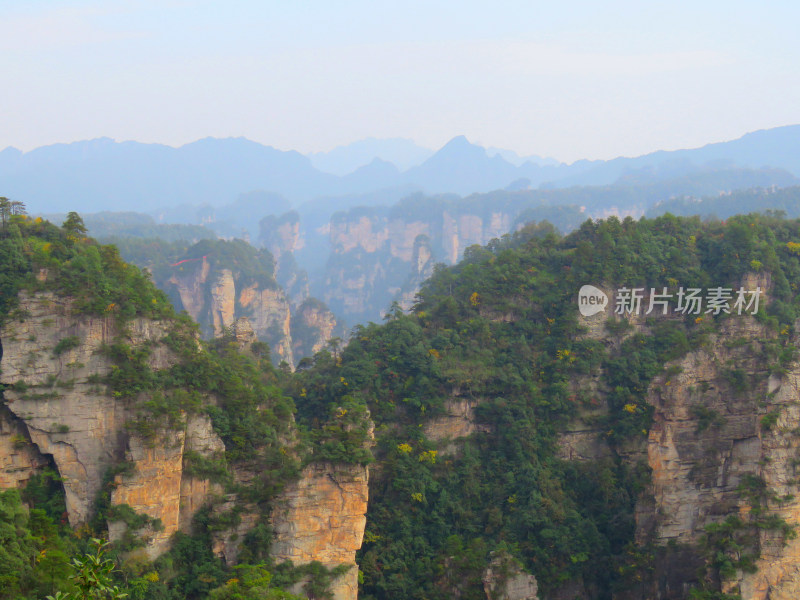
(498,334)
(237,388)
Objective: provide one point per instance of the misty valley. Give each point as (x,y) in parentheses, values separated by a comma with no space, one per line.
(234,372)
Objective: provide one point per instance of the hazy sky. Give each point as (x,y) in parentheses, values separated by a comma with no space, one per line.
(568,79)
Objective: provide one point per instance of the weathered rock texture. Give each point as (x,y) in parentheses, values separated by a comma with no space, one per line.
(19,457)
(313,326)
(723,418)
(322,517)
(282,237)
(271,317)
(216,299)
(65,414)
(57,405)
(504,579)
(723,415)
(384,256)
(56,413)
(456,421)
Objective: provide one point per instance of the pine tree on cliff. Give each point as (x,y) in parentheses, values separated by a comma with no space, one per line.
(74,225)
(5,209)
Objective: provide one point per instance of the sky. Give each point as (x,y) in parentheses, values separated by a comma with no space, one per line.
(570,79)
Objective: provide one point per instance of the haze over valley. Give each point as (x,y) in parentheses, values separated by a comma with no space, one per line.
(399,301)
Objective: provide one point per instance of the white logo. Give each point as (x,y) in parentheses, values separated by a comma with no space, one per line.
(591,300)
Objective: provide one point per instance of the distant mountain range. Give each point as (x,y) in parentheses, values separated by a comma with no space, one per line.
(402,153)
(102,174)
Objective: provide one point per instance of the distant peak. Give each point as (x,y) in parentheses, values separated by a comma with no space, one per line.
(459,141)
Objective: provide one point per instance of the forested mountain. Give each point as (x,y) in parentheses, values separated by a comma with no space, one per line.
(721,206)
(359,258)
(220,282)
(514,443)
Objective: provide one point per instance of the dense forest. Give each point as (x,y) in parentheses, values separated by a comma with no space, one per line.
(499,332)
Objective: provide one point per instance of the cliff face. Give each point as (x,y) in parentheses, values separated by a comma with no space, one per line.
(57,413)
(67,415)
(19,458)
(215,300)
(56,408)
(723,426)
(422,262)
(322,517)
(723,443)
(313,325)
(377,259)
(281,236)
(271,317)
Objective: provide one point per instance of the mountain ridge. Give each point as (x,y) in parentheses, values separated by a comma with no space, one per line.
(95,174)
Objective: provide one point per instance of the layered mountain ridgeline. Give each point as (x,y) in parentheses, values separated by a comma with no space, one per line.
(220,282)
(521,450)
(525,451)
(363,258)
(784,201)
(117,421)
(86,175)
(379,255)
(359,252)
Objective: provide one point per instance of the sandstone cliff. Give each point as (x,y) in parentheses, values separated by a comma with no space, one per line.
(218,298)
(722,444)
(215,299)
(65,412)
(322,517)
(282,237)
(57,413)
(313,325)
(380,257)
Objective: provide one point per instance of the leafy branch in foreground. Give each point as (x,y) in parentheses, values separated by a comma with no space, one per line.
(93,576)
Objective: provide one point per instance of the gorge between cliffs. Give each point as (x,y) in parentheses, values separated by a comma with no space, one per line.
(484,442)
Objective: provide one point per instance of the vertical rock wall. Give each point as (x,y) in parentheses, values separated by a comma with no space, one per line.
(57,403)
(322,517)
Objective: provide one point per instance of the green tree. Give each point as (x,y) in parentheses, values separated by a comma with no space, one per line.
(250,582)
(93,576)
(17,546)
(17,208)
(5,209)
(74,224)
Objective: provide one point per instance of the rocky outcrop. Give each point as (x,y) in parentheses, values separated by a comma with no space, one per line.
(504,579)
(457,420)
(161,486)
(215,299)
(281,235)
(55,358)
(322,517)
(20,459)
(380,256)
(199,438)
(313,326)
(56,407)
(723,422)
(57,412)
(189,281)
(365,232)
(422,262)
(223,302)
(270,315)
